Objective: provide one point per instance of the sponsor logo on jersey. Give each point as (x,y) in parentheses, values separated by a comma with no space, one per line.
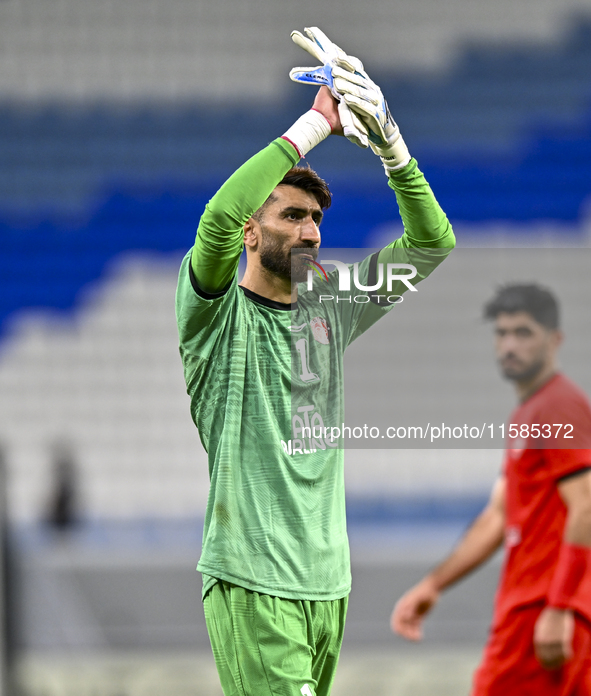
(309,434)
(513,536)
(320,330)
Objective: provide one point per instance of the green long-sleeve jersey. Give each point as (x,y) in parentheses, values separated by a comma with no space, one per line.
(266,385)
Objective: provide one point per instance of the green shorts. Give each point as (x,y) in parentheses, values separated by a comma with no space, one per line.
(267,646)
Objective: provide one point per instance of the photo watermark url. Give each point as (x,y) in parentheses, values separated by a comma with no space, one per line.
(432,432)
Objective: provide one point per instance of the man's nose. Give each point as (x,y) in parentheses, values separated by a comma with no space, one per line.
(310,231)
(508,345)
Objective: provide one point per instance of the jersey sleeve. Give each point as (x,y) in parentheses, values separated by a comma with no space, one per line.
(505,463)
(572,451)
(219,241)
(425,223)
(201,321)
(207,285)
(427,240)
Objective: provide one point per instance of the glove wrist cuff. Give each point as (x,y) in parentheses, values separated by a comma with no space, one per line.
(309,130)
(394,155)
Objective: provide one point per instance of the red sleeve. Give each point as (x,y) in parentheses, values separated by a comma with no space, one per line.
(505,463)
(569,448)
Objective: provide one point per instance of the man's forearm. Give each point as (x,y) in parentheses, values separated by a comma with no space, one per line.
(481,540)
(577,529)
(428,236)
(571,582)
(219,240)
(425,223)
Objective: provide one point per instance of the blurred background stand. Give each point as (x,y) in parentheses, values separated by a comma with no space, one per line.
(118,122)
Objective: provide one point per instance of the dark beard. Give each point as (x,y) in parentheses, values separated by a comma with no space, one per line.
(525,374)
(282,263)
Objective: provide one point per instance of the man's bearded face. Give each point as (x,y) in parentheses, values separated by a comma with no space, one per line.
(523,346)
(283,259)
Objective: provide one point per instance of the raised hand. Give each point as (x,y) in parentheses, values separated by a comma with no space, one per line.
(364,112)
(332,57)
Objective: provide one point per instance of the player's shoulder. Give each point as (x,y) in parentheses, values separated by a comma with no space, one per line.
(561,398)
(561,387)
(188,285)
(201,315)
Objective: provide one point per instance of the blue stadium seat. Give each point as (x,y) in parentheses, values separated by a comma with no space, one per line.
(503,135)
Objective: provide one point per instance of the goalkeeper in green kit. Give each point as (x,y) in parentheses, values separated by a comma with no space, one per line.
(263,363)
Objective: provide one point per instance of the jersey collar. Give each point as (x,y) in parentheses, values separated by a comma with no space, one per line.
(273,304)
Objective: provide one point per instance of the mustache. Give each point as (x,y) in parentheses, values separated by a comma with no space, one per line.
(509,356)
(309,250)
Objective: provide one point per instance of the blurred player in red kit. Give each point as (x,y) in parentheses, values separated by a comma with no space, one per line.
(540,639)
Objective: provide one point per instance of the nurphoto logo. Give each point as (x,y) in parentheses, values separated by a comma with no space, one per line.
(315,266)
(391,272)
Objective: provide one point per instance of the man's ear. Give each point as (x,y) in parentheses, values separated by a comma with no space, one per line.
(251,228)
(557,338)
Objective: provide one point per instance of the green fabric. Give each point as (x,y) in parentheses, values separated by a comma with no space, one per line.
(275,518)
(220,233)
(425,224)
(266,646)
(258,376)
(428,237)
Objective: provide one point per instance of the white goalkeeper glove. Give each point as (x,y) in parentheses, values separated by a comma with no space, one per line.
(331,57)
(365,98)
(349,83)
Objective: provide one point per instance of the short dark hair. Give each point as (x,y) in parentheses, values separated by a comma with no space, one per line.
(537,301)
(304,178)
